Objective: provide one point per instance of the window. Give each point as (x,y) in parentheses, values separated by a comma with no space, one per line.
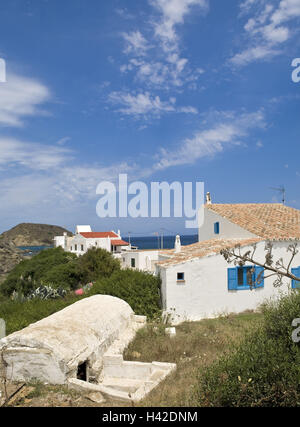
(82,248)
(133,262)
(180,277)
(217,228)
(296,272)
(246,277)
(71,248)
(75,247)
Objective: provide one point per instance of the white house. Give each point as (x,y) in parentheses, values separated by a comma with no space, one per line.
(198,283)
(85,239)
(144,260)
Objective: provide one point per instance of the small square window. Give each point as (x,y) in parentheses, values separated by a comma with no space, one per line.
(180,277)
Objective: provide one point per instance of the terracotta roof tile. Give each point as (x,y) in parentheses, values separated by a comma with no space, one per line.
(116,242)
(100,235)
(267,220)
(203,249)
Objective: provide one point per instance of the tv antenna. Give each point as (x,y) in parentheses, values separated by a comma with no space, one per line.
(280,190)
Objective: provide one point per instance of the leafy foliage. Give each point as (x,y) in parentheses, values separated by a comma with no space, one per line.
(96,264)
(30,273)
(59,269)
(140,290)
(264,369)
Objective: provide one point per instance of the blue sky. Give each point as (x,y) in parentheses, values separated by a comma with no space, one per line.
(163,90)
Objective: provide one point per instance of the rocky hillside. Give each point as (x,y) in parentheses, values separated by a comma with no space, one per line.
(10,256)
(28,234)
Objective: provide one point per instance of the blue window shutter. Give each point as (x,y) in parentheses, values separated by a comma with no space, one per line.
(296,272)
(259,274)
(232,278)
(217,227)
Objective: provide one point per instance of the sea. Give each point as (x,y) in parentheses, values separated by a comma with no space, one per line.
(147,242)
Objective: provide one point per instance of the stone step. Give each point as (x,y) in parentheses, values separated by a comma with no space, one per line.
(122,384)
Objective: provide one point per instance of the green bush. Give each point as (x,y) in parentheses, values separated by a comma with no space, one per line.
(96,264)
(140,290)
(64,276)
(59,269)
(29,274)
(264,369)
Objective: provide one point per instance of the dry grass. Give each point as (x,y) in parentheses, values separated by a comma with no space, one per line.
(195,346)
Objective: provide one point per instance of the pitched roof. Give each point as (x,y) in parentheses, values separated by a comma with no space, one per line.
(203,249)
(116,242)
(267,220)
(100,235)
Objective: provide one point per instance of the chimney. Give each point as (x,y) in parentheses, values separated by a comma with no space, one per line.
(177,244)
(208,198)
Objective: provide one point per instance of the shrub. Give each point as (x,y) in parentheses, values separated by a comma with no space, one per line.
(96,264)
(140,290)
(264,369)
(64,276)
(29,274)
(59,269)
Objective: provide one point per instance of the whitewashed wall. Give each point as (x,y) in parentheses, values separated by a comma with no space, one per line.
(228,230)
(59,241)
(204,294)
(144,260)
(87,244)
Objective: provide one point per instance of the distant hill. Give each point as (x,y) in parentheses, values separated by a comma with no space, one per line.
(27,234)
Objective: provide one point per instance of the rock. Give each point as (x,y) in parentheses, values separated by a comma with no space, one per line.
(96,397)
(10,256)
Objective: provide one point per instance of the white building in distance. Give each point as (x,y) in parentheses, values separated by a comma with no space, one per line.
(85,239)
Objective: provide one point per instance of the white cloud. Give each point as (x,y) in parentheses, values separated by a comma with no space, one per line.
(188,110)
(144,105)
(135,43)
(31,155)
(173,13)
(267,28)
(229,130)
(253,54)
(158,63)
(21,97)
(288,9)
(64,140)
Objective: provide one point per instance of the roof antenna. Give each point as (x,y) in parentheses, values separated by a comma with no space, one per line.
(281,190)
